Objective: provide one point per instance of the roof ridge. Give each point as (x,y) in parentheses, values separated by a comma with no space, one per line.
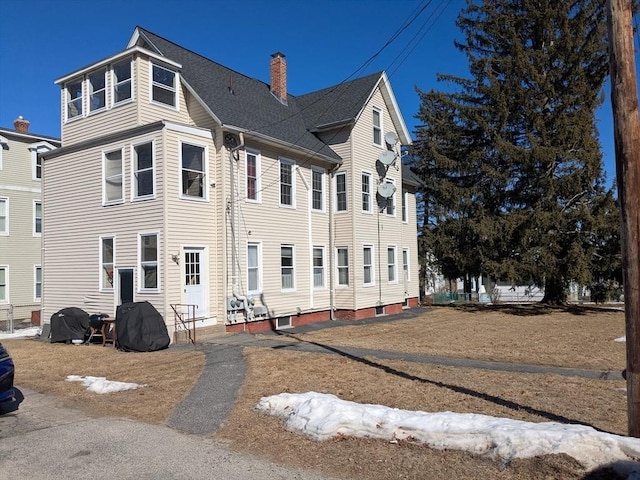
(343,83)
(144,30)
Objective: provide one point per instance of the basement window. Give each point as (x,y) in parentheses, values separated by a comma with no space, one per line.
(380,310)
(283,322)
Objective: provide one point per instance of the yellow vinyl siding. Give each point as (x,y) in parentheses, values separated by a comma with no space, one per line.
(151,112)
(103,122)
(72,270)
(391,231)
(99,124)
(139,111)
(190,223)
(273,226)
(197,114)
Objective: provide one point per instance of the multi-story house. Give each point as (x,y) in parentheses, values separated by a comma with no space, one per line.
(183,182)
(21,222)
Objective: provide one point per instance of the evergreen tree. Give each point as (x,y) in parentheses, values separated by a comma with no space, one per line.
(511,160)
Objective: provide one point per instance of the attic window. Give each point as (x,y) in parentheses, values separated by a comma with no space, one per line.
(122,81)
(97,90)
(163,88)
(74,99)
(377,127)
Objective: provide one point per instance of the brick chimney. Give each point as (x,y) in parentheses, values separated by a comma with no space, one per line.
(21,125)
(279,76)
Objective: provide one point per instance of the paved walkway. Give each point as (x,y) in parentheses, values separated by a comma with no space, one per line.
(212,398)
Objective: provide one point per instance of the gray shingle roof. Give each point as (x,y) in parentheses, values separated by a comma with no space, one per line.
(247,103)
(410,178)
(338,104)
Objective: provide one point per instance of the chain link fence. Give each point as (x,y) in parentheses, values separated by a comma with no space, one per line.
(14,317)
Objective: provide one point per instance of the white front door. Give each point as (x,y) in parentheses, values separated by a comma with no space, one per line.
(194,282)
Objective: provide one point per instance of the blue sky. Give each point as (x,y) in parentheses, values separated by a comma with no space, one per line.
(325,42)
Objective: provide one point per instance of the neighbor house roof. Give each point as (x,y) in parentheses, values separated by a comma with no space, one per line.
(29,136)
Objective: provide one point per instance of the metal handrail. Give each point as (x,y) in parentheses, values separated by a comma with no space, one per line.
(178,316)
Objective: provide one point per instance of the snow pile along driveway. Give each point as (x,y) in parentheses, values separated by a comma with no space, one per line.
(323,416)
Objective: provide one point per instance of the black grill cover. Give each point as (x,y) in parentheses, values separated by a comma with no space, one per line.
(69,324)
(140,328)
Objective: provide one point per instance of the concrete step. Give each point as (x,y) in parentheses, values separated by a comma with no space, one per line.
(210,331)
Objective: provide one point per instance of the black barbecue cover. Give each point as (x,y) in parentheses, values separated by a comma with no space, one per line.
(140,328)
(69,324)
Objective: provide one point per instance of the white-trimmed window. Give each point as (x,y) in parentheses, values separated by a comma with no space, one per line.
(4,283)
(391,264)
(36,160)
(254,267)
(317,189)
(73,94)
(252,175)
(318,267)
(97,85)
(193,165)
(121,82)
(107,262)
(405,263)
(377,126)
(37,166)
(163,86)
(143,175)
(367,265)
(342,264)
(37,218)
(405,205)
(148,261)
(367,198)
(37,283)
(4,216)
(287,183)
(391,201)
(287,271)
(112,177)
(341,192)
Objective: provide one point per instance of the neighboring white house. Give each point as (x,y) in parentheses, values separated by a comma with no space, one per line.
(21,222)
(183,182)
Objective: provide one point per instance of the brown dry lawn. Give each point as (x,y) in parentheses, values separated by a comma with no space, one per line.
(574,337)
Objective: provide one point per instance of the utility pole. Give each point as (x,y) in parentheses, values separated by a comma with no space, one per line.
(626,123)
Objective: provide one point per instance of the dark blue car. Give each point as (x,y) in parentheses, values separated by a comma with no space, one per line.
(7,369)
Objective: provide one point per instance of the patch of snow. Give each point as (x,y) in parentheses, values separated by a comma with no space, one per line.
(101,385)
(323,416)
(22,333)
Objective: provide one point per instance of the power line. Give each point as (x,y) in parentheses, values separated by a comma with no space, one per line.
(413,16)
(408,54)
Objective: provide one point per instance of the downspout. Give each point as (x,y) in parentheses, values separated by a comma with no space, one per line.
(331,244)
(165,239)
(379,261)
(309,233)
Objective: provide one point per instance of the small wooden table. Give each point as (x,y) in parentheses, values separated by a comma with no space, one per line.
(109,326)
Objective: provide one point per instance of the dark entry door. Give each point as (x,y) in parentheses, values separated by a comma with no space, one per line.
(126,285)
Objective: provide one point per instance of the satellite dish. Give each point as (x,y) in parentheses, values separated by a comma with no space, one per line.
(391,138)
(386,189)
(387,157)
